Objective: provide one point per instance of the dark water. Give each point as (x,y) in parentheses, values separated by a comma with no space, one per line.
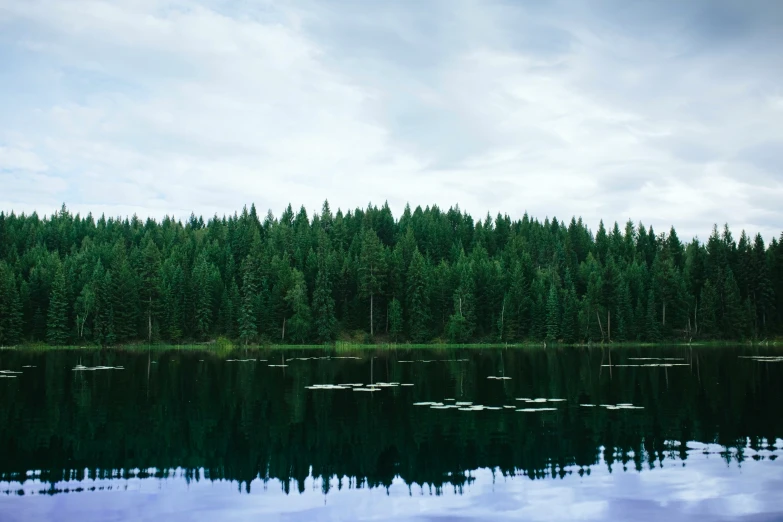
(193,436)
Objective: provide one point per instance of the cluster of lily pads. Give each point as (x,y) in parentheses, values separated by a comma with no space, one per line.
(499,378)
(448,404)
(325,358)
(619,406)
(644,362)
(540,400)
(763,358)
(434,360)
(8,374)
(378,386)
(81,368)
(242,360)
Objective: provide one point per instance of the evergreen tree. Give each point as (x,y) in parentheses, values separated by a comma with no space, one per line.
(248,329)
(150,289)
(323,302)
(570,319)
(203,281)
(371,270)
(57,317)
(395,320)
(552,313)
(417,298)
(126,280)
(10,308)
(299,323)
(651,320)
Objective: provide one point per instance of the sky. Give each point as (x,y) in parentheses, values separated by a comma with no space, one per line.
(665,112)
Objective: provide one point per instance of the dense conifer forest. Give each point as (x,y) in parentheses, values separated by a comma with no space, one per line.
(431,276)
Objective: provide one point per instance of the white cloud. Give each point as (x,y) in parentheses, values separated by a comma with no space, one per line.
(167,107)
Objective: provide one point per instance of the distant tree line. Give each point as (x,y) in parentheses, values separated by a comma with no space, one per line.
(431,275)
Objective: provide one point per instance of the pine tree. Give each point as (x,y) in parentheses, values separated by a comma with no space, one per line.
(570,320)
(300,322)
(150,288)
(371,270)
(57,317)
(203,280)
(552,313)
(417,298)
(178,281)
(248,329)
(462,323)
(625,318)
(323,303)
(10,308)
(651,321)
(395,320)
(733,318)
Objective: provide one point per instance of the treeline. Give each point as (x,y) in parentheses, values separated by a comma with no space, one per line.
(432,275)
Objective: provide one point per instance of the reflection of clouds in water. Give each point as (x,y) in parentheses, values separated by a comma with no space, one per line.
(704,488)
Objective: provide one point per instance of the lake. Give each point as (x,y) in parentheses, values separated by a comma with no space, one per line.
(672,433)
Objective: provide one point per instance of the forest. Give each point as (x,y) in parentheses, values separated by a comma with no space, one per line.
(431,276)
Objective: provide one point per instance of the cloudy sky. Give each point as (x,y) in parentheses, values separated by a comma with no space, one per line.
(660,111)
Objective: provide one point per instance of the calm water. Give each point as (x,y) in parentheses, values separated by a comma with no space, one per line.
(199,436)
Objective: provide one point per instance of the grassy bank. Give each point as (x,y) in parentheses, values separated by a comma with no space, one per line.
(221,346)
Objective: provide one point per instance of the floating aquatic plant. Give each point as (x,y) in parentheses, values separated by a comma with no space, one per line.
(656,358)
(80,368)
(651,365)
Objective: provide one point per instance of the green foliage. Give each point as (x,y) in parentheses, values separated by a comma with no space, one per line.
(395,320)
(432,274)
(324,318)
(417,298)
(10,308)
(248,329)
(299,323)
(552,315)
(57,319)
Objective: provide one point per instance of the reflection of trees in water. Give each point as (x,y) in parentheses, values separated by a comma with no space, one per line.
(245,421)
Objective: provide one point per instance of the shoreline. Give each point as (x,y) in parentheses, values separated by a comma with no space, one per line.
(344,346)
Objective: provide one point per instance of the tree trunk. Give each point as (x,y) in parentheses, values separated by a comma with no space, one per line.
(502,314)
(599,325)
(664,313)
(371,331)
(283,337)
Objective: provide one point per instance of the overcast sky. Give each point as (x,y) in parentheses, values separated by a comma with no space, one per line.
(667,112)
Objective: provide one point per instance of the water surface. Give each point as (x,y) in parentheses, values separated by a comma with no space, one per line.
(558,434)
